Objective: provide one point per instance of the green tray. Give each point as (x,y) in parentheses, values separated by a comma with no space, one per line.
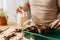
(52,35)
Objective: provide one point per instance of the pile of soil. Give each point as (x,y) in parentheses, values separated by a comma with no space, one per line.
(39,29)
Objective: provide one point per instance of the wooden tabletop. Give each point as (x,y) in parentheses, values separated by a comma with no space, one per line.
(8,29)
(8,25)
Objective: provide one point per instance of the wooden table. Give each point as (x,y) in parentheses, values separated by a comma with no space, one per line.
(9,30)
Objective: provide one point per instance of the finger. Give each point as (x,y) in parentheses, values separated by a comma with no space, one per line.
(57,26)
(54,23)
(20,7)
(17,10)
(50,24)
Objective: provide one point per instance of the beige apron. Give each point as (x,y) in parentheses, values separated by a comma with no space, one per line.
(43,11)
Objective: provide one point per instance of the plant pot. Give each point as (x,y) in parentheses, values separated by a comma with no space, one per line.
(3,21)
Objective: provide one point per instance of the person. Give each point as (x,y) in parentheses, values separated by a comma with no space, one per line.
(26,7)
(44,12)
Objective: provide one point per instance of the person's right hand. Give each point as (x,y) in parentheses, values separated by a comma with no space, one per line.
(55,24)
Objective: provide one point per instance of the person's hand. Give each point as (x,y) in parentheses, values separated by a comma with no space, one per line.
(25,7)
(19,9)
(55,24)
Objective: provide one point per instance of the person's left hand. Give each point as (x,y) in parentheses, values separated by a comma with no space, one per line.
(55,24)
(19,9)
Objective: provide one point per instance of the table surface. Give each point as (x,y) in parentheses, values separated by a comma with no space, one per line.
(7,30)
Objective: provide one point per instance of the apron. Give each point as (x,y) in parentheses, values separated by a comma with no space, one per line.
(43,11)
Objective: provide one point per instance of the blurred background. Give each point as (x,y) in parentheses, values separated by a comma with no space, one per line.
(9,7)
